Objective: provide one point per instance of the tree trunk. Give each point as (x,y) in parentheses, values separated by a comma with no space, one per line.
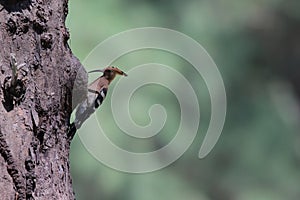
(37,75)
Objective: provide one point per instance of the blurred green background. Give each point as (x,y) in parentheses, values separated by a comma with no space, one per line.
(256,46)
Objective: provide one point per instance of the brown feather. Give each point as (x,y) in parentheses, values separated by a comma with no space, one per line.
(99,84)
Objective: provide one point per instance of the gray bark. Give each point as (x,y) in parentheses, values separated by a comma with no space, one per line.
(37,75)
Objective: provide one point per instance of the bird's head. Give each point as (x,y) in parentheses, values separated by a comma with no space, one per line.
(110,72)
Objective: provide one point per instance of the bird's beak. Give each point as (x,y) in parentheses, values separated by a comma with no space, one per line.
(96,70)
(118,71)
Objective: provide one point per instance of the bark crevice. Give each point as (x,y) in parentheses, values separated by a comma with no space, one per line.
(12,169)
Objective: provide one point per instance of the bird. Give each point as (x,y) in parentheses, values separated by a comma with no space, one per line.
(97,91)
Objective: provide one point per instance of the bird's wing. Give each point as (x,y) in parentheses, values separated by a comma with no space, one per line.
(101,96)
(98,87)
(88,107)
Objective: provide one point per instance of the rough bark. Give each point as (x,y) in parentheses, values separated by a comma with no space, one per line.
(37,74)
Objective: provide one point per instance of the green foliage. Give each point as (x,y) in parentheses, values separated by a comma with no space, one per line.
(257,156)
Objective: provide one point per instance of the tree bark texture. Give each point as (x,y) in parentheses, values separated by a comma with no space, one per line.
(37,76)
